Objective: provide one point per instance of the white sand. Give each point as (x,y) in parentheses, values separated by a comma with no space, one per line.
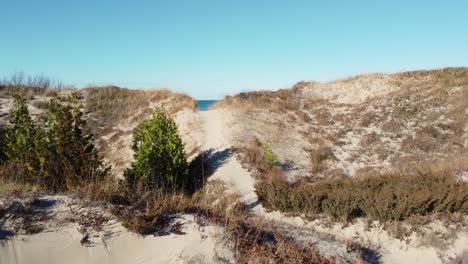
(217,140)
(60,243)
(63,246)
(352,90)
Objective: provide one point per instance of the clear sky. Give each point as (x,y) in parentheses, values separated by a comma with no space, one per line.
(209,48)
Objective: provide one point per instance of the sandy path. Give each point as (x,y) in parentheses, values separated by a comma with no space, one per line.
(217,141)
(227,167)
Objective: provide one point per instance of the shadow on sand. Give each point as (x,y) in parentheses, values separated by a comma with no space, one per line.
(28,215)
(216,159)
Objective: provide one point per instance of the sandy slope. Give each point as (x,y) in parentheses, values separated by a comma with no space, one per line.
(63,245)
(60,242)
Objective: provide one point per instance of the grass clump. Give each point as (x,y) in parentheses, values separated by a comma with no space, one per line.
(30,86)
(255,245)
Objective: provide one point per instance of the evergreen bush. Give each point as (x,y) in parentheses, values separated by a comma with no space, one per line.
(2,147)
(160,161)
(20,141)
(68,155)
(269,157)
(56,154)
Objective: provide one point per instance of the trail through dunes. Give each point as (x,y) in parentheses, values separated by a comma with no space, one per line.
(227,168)
(217,142)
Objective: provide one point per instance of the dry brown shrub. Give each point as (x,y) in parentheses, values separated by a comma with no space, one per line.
(322,116)
(432,78)
(393,127)
(370,139)
(368,118)
(304,116)
(319,155)
(259,247)
(392,196)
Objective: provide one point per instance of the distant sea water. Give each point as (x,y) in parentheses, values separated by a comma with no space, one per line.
(203,105)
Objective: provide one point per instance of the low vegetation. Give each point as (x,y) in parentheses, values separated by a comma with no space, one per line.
(2,146)
(269,158)
(392,196)
(30,86)
(255,245)
(110,104)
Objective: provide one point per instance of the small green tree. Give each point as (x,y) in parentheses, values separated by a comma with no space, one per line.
(269,157)
(68,155)
(160,161)
(2,146)
(56,154)
(20,138)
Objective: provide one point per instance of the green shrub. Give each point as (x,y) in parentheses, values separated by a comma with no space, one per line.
(3,156)
(68,156)
(21,139)
(269,157)
(58,154)
(160,161)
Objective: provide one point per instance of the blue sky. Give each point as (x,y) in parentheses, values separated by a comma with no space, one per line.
(209,48)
